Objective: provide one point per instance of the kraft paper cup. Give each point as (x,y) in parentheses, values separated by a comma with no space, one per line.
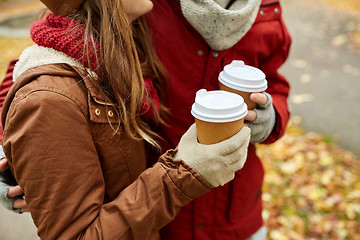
(218,114)
(243,80)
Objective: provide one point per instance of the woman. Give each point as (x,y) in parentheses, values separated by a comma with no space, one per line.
(75,135)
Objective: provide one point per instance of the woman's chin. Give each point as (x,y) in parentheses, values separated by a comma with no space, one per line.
(146,8)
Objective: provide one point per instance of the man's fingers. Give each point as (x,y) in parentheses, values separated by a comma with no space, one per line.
(3,164)
(251,116)
(259,98)
(20,203)
(24,210)
(15,191)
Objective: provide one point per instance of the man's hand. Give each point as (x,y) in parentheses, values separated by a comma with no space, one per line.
(18,203)
(261,120)
(259,99)
(3,164)
(13,197)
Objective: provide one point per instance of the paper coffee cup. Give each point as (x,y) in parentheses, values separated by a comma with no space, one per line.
(218,114)
(243,80)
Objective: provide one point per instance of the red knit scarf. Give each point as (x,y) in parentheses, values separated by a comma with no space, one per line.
(58,32)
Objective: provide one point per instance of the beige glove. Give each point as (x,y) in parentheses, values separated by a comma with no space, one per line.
(216,163)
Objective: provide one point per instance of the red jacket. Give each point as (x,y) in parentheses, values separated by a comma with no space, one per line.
(4,88)
(234,210)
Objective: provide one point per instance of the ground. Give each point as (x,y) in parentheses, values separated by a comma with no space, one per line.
(311,189)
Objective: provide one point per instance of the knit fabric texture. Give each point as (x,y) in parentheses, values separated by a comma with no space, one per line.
(220,27)
(66,35)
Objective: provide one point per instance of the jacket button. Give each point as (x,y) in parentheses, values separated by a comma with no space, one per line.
(97,112)
(276,10)
(262,13)
(215,54)
(110,113)
(200,52)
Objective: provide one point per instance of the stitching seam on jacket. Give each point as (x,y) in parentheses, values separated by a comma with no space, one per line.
(16,101)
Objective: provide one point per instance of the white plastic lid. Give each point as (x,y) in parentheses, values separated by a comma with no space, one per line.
(242,77)
(218,106)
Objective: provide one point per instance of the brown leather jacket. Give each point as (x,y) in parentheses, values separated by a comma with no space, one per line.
(80,180)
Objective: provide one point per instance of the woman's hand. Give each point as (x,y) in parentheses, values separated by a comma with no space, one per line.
(216,163)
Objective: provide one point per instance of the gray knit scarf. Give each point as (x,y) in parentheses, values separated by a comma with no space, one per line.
(220,27)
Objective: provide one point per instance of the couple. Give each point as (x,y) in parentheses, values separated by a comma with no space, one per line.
(92,103)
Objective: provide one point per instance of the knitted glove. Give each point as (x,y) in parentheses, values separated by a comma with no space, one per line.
(7,202)
(216,163)
(6,181)
(265,121)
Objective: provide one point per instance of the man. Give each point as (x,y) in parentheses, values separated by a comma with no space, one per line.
(195,40)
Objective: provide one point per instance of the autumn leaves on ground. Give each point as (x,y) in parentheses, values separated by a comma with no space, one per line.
(312,187)
(351,7)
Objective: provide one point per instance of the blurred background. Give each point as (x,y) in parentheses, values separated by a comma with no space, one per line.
(312,182)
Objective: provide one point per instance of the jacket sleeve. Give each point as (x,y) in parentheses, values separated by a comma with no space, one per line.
(278,86)
(4,88)
(56,164)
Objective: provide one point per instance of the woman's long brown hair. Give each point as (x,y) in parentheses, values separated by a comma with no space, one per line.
(125,49)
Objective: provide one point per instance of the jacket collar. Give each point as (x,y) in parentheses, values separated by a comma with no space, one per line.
(36,56)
